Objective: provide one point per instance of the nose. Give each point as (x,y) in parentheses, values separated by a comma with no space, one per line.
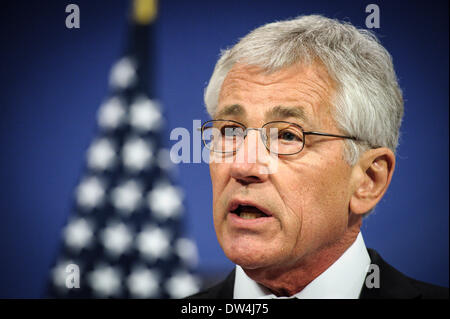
(251,161)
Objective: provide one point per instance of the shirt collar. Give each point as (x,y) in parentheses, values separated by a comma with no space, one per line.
(342,280)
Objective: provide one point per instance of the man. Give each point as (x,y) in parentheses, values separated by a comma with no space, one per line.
(306,116)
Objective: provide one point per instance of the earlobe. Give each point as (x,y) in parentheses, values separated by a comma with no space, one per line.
(373,174)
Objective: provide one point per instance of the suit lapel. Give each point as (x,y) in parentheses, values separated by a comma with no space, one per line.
(223,290)
(226,288)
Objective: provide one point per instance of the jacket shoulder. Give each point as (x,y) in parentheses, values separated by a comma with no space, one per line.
(429,291)
(396,285)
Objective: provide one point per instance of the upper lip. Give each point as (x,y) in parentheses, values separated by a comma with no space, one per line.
(244,202)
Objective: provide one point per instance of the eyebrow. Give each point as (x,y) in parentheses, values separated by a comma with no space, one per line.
(283,112)
(230,110)
(279,112)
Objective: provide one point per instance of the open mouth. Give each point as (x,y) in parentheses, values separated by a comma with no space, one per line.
(248,212)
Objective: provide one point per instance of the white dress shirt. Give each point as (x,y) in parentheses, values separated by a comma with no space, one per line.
(344,279)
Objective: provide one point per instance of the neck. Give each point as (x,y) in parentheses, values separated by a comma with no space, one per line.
(287,282)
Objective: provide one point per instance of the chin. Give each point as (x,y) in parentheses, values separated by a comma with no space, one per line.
(249,256)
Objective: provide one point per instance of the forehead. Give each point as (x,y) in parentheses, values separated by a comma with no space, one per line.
(249,91)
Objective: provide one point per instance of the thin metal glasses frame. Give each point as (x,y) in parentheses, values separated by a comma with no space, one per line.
(263,137)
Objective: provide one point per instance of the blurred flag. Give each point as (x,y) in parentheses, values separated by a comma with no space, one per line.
(123,238)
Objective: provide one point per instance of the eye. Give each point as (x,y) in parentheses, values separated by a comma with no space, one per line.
(231,130)
(289,136)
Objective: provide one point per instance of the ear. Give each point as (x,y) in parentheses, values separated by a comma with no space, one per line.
(371,177)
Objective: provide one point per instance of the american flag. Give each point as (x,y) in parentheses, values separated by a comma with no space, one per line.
(124,235)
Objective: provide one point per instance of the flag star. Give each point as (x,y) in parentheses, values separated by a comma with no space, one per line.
(127,196)
(182,284)
(123,73)
(143,283)
(165,200)
(187,251)
(90,192)
(78,234)
(112,113)
(116,238)
(59,274)
(153,243)
(137,154)
(101,154)
(145,115)
(105,281)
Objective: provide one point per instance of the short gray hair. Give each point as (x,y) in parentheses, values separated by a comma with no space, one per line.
(368,103)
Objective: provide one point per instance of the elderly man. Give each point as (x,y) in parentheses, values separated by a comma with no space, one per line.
(306,116)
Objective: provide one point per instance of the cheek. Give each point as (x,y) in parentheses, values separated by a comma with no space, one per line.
(219,179)
(332,190)
(323,180)
(331,199)
(317,203)
(289,194)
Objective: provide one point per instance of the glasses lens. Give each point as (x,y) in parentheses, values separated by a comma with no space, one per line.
(222,136)
(284,138)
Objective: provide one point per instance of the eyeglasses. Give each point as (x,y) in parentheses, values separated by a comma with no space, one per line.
(279,137)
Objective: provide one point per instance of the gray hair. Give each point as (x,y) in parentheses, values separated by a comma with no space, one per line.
(368,101)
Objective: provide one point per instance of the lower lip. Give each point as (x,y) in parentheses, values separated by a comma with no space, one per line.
(247,223)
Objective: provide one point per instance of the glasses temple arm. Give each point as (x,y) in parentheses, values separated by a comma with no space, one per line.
(332,135)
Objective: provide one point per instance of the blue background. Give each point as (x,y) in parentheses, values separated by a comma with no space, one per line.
(53,79)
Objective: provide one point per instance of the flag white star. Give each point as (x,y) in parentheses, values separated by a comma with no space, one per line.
(187,251)
(90,192)
(101,154)
(127,197)
(123,73)
(182,284)
(116,238)
(143,283)
(165,200)
(59,274)
(145,115)
(112,113)
(153,243)
(78,234)
(105,281)
(137,154)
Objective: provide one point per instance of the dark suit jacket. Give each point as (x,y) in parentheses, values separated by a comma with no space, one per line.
(393,285)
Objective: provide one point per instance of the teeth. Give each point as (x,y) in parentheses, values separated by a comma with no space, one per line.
(250,215)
